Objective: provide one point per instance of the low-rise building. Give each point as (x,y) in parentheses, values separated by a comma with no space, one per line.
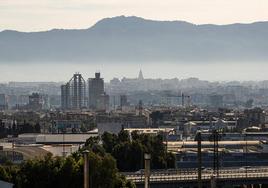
(115,123)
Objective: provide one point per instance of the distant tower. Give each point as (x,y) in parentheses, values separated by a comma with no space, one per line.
(78,89)
(65,96)
(73,93)
(123,101)
(140,75)
(95,90)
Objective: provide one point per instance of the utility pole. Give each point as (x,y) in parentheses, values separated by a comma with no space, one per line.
(86,169)
(63,140)
(216,152)
(199,158)
(246,155)
(147,161)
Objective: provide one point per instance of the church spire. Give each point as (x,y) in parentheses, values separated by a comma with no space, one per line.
(140,75)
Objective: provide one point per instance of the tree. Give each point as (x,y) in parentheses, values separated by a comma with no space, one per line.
(123,150)
(83,128)
(37,128)
(109,141)
(123,136)
(4,175)
(66,172)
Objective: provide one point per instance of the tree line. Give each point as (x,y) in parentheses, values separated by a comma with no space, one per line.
(108,155)
(65,172)
(128,150)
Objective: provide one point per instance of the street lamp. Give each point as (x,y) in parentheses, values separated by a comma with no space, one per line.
(199,159)
(147,159)
(246,154)
(86,169)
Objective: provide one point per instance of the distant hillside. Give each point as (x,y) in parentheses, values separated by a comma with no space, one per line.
(136,39)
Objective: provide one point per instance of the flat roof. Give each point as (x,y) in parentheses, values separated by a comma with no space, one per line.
(185,143)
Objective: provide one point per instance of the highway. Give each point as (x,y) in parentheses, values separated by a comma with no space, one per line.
(191,174)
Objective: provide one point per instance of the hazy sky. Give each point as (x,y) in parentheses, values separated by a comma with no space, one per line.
(34,15)
(206,71)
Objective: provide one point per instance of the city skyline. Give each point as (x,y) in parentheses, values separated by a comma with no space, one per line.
(203,71)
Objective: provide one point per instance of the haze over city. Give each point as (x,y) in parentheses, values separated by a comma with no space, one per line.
(133,93)
(203,71)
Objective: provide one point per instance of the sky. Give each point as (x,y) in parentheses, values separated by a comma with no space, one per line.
(204,71)
(39,15)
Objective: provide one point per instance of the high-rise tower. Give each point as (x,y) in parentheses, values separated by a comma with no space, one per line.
(95,90)
(73,93)
(65,96)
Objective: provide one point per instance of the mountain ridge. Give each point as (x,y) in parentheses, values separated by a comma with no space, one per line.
(136,39)
(122,16)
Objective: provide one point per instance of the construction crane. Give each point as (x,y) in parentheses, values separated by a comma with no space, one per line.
(182,96)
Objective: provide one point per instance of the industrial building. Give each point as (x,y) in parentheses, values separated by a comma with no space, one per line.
(32,138)
(230,153)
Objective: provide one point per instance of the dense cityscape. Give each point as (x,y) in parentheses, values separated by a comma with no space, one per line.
(163,118)
(133,94)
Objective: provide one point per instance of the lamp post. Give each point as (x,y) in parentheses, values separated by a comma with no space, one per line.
(246,157)
(86,169)
(199,159)
(147,160)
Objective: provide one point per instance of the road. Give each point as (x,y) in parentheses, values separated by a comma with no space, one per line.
(191,174)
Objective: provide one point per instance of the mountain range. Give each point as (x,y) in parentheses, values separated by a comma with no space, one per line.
(134,39)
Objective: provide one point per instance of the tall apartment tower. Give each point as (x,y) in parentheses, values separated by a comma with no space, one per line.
(95,91)
(65,96)
(78,91)
(73,93)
